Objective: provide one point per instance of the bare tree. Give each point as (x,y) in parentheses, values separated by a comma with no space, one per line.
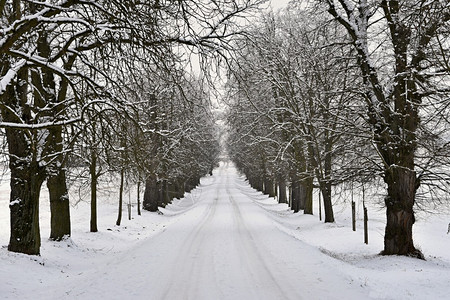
(74,46)
(413,30)
(293,73)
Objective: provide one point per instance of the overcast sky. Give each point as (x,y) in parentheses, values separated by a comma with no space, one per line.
(278,3)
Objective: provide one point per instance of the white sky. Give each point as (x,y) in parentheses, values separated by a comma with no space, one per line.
(276,4)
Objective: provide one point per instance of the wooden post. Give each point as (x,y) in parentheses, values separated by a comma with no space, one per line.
(366,219)
(290,196)
(276,191)
(129,205)
(353,211)
(366,229)
(353,216)
(320,208)
(138,199)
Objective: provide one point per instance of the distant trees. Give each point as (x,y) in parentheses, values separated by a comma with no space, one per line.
(293,78)
(180,143)
(65,62)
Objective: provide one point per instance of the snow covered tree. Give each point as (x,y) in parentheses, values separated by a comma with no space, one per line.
(294,73)
(401,50)
(52,51)
(182,141)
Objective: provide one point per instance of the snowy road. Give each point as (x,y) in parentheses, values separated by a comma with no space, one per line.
(225,247)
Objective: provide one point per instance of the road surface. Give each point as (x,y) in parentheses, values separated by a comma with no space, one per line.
(225,247)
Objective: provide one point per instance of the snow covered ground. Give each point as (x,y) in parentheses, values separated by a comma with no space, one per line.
(222,241)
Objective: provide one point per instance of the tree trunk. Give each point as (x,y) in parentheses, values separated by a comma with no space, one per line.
(250,181)
(308,184)
(268,187)
(295,196)
(26,182)
(186,186)
(165,195)
(148,202)
(26,174)
(44,88)
(325,188)
(326,180)
(57,187)
(179,186)
(151,195)
(194,182)
(301,195)
(119,214)
(191,183)
(173,190)
(176,188)
(399,202)
(259,184)
(59,206)
(282,191)
(290,196)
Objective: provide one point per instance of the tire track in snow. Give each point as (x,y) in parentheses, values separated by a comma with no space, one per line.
(225,247)
(261,274)
(189,264)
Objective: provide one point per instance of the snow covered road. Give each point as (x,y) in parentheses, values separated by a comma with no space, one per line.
(224,240)
(225,247)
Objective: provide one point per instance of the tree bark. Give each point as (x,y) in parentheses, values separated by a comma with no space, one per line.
(325,188)
(308,184)
(179,186)
(268,187)
(259,184)
(60,226)
(176,188)
(26,174)
(149,203)
(301,195)
(295,196)
(165,195)
(399,202)
(59,206)
(152,194)
(186,186)
(94,179)
(191,183)
(119,214)
(26,182)
(282,191)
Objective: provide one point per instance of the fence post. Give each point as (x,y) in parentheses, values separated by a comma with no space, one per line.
(353,216)
(129,205)
(366,229)
(138,199)
(320,208)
